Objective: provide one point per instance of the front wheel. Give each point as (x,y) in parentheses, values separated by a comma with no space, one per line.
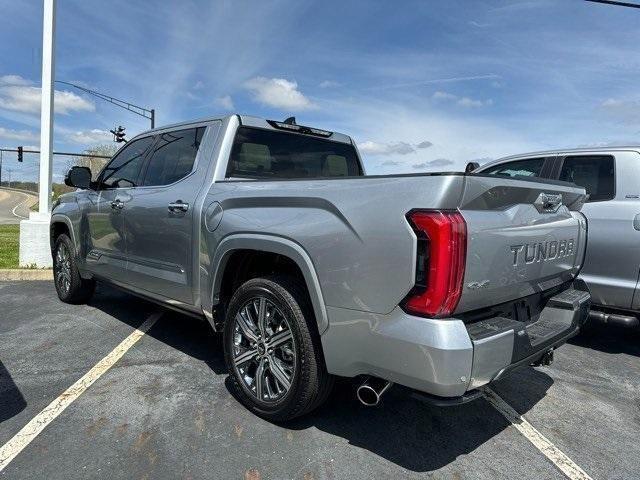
(70,286)
(272,349)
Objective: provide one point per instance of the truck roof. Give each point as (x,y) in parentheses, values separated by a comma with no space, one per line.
(247,120)
(562,151)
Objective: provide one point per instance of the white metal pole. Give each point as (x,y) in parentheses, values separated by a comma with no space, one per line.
(46,114)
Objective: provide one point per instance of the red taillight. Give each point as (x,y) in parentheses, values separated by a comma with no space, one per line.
(442,244)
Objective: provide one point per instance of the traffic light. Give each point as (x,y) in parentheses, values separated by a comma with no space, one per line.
(19,154)
(118,134)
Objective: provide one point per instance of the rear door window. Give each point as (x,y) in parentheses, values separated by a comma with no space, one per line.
(593,172)
(173,156)
(261,153)
(531,167)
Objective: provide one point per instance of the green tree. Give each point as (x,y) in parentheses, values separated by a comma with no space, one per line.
(96,163)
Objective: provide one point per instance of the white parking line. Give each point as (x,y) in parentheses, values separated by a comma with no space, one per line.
(542,443)
(32,429)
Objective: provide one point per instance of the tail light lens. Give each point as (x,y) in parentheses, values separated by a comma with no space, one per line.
(442,245)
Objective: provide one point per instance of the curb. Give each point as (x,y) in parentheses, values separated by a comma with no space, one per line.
(21,274)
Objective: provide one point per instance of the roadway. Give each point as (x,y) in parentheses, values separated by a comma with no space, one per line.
(14,206)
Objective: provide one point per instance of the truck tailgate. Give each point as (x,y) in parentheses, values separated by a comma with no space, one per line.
(523,237)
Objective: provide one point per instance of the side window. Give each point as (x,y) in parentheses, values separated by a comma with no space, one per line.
(531,167)
(593,172)
(124,169)
(173,156)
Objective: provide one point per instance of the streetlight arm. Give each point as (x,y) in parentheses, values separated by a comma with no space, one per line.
(143,112)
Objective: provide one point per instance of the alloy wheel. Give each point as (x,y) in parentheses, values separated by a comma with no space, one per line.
(63,268)
(263,350)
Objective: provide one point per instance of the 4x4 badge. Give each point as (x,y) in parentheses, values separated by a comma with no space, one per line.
(478,285)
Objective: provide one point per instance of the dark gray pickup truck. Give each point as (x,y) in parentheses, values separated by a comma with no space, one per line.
(273,233)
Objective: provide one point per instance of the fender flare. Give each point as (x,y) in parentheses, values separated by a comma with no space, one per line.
(271,244)
(59,218)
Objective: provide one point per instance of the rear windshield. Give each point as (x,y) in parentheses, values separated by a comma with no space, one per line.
(260,153)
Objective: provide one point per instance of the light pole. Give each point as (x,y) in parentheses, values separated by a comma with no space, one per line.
(34,231)
(46,115)
(143,112)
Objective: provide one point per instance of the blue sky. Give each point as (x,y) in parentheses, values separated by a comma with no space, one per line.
(421,86)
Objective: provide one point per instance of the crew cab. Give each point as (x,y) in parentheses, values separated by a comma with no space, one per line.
(274,234)
(611,177)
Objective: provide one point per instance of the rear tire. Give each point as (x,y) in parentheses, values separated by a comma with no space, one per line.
(272,349)
(70,286)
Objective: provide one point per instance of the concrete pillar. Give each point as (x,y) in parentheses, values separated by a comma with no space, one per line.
(34,232)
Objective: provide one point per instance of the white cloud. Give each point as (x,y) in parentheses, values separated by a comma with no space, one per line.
(18,135)
(438,162)
(437,80)
(279,93)
(13,80)
(470,102)
(329,84)
(65,102)
(392,148)
(457,139)
(626,111)
(90,137)
(443,96)
(461,101)
(18,95)
(225,102)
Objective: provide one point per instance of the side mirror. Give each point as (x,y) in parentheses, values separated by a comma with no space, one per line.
(471,166)
(79,177)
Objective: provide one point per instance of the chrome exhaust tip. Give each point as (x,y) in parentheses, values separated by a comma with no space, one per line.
(371,390)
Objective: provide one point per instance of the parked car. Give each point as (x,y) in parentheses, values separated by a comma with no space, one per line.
(611,177)
(272,232)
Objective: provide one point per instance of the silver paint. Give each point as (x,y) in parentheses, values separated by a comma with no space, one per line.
(348,236)
(612,262)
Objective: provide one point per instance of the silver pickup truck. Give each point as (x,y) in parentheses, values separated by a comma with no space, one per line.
(611,177)
(272,231)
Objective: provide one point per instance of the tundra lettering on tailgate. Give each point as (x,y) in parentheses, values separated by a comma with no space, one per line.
(542,251)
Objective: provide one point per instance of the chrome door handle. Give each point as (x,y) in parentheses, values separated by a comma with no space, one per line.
(636,222)
(117,204)
(178,206)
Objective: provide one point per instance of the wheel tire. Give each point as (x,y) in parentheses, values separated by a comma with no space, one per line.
(310,383)
(70,286)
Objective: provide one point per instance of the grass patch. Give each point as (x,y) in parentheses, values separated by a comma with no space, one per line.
(9,241)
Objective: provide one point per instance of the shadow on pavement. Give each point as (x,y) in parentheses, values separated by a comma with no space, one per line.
(412,434)
(609,339)
(11,400)
(187,334)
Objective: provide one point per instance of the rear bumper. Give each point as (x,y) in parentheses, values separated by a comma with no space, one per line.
(446,357)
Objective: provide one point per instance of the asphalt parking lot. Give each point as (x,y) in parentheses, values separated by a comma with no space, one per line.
(163,410)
